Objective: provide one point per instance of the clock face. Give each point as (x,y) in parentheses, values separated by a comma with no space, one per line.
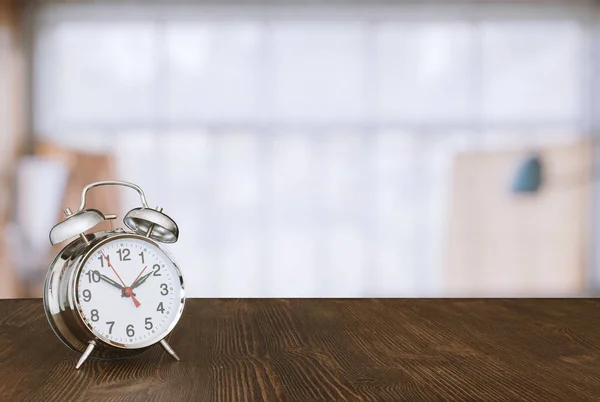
(129,292)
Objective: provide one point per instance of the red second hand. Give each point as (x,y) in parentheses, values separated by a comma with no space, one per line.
(113,268)
(128,291)
(135,301)
(138,277)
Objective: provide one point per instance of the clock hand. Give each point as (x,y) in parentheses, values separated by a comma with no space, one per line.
(127,290)
(138,277)
(141,280)
(108,280)
(113,283)
(113,268)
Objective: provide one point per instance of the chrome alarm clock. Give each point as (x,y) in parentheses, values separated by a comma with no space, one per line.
(114,293)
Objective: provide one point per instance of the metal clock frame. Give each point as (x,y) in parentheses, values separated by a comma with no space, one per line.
(62,306)
(61,300)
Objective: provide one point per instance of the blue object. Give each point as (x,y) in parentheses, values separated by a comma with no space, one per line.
(528,178)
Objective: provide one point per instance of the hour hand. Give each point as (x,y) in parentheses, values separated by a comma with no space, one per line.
(141,280)
(109,281)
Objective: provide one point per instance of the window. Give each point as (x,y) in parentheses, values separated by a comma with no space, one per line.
(308,154)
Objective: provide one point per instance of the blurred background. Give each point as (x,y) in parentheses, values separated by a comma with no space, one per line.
(313,148)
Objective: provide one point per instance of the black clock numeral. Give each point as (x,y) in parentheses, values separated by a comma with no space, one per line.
(148,323)
(142,255)
(156,269)
(95,317)
(124,254)
(93,276)
(165,289)
(101,258)
(87,295)
(111,325)
(130,330)
(160,307)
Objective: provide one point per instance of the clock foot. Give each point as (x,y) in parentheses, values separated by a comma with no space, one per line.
(169,349)
(86,354)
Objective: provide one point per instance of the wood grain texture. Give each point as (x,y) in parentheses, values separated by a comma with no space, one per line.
(331,350)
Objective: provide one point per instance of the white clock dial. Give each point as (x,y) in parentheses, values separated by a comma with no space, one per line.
(129,292)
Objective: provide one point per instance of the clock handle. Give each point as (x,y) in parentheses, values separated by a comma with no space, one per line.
(112,183)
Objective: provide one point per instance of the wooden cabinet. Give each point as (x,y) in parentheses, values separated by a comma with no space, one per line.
(12,90)
(505,244)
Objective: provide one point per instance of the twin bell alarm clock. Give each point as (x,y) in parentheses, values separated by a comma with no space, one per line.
(114,293)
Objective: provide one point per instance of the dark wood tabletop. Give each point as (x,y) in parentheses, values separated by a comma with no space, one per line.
(325,350)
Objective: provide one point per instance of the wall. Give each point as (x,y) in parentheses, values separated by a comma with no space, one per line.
(11,124)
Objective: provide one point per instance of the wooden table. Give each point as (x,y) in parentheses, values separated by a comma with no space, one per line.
(309,350)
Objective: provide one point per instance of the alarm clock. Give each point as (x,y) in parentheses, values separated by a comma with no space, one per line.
(114,293)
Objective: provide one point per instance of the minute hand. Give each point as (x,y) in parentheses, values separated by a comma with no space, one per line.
(141,280)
